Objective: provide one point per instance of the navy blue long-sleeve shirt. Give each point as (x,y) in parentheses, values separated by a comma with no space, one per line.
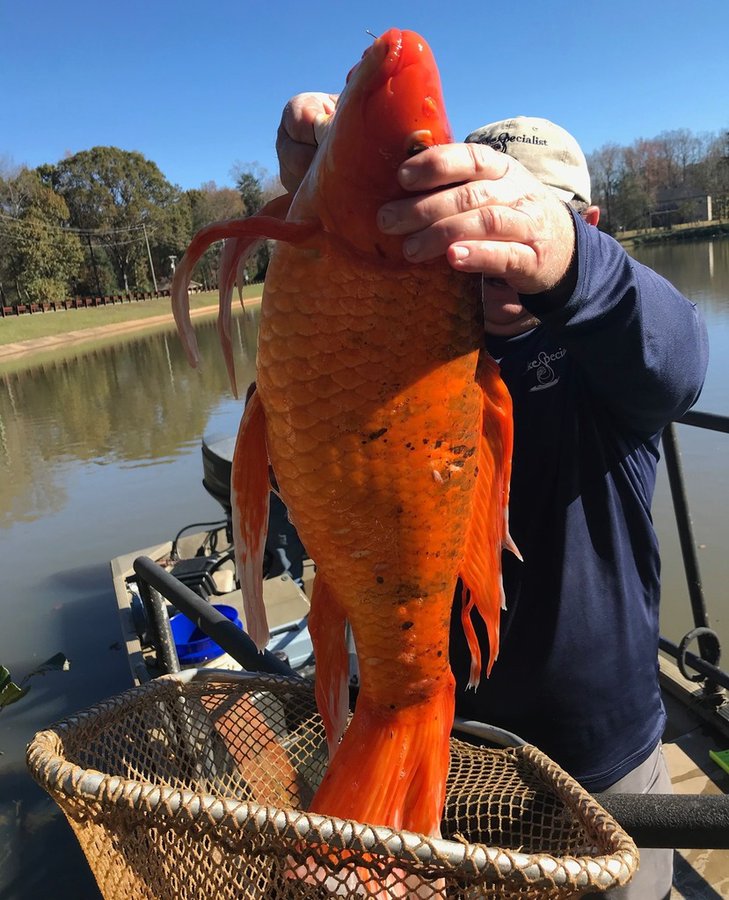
(592,388)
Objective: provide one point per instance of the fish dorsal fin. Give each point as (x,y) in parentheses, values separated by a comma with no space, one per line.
(250,486)
(488,531)
(268,223)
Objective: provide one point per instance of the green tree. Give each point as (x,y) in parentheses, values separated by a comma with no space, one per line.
(40,259)
(248,180)
(256,188)
(126,201)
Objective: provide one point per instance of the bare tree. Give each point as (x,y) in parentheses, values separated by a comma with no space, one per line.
(606,167)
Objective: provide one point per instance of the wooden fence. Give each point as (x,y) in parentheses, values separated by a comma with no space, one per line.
(82,302)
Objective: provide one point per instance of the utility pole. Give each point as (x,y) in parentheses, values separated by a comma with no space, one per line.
(149,254)
(93,263)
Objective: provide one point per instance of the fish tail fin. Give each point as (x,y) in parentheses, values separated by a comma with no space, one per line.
(488,531)
(327,629)
(263,762)
(391,765)
(249,499)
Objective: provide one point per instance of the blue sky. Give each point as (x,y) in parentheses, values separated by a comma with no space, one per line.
(199,86)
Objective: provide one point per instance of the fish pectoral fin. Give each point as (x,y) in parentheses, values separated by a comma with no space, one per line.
(249,499)
(236,252)
(488,531)
(510,545)
(327,627)
(269,222)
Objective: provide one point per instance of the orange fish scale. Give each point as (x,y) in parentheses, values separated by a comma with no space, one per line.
(382,438)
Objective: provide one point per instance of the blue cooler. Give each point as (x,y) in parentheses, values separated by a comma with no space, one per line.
(193,645)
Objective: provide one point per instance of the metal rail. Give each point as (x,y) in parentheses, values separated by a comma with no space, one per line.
(689,821)
(713,679)
(225,634)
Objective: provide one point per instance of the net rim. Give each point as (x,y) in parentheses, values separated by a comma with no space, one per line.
(453,858)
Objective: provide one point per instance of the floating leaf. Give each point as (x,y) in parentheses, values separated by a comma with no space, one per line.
(9,691)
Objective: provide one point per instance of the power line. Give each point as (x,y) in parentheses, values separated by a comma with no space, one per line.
(80,231)
(27,238)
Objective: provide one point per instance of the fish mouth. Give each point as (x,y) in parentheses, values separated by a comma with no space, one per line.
(390,54)
(400,49)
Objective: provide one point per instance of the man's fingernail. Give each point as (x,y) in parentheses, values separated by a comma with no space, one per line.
(411,246)
(320,127)
(460,252)
(386,218)
(408,176)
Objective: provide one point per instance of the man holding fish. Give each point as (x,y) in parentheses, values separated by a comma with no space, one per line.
(599,353)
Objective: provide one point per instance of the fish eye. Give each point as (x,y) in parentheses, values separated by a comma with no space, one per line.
(416,148)
(418,141)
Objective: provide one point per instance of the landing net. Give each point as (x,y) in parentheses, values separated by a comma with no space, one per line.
(195,786)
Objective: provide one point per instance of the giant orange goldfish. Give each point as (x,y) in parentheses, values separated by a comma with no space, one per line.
(389,440)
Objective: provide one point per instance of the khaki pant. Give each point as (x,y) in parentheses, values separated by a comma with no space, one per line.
(653,879)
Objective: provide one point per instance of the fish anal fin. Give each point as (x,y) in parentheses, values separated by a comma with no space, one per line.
(327,629)
(250,499)
(488,528)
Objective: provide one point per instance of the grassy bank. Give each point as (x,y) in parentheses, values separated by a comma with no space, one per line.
(50,324)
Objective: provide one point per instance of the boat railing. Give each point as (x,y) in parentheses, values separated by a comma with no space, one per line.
(702,668)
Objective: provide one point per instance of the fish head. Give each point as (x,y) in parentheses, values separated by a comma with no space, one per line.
(391,108)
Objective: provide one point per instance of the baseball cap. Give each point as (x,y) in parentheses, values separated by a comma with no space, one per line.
(549,152)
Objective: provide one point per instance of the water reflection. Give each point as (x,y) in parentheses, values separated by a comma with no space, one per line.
(130,405)
(700,269)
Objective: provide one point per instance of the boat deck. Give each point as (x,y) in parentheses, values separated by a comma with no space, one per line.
(287,606)
(698,874)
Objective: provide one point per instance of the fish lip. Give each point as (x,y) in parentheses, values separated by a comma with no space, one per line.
(393,57)
(386,58)
(385,54)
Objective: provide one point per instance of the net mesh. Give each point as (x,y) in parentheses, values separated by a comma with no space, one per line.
(197,788)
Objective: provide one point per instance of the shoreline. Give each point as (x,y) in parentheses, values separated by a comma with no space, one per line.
(20,349)
(691,231)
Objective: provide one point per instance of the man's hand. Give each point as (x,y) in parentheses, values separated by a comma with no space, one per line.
(298,135)
(486,213)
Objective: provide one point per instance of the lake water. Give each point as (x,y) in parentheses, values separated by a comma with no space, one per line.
(100,455)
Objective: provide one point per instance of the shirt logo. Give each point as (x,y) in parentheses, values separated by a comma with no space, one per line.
(542,370)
